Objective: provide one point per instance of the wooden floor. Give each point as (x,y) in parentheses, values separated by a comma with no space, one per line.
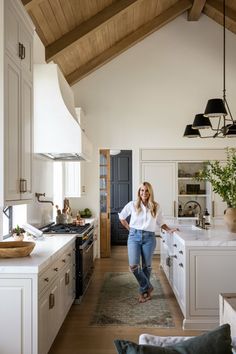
(77,337)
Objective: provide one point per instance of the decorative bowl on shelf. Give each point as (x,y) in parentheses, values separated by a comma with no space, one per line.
(15,249)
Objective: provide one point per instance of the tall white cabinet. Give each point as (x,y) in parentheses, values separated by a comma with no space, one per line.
(18,103)
(172,174)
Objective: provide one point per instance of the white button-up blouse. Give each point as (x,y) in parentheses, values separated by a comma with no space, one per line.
(142,220)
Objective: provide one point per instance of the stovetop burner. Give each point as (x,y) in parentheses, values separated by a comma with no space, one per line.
(66,229)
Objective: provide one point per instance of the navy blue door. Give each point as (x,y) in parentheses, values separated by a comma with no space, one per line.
(121,193)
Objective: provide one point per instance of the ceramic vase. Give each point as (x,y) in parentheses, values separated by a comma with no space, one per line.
(19,237)
(230,219)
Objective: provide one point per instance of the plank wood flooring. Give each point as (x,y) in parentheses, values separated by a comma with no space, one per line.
(77,337)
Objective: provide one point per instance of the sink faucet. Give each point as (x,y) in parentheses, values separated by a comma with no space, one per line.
(201,221)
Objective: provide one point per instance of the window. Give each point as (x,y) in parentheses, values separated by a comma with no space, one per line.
(12,216)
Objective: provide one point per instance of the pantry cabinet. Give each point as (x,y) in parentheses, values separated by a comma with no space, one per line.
(18,103)
(162,176)
(173,173)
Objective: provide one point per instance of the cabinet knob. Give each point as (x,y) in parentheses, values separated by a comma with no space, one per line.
(63,260)
(46,279)
(69,255)
(56,269)
(181,265)
(174,245)
(181,252)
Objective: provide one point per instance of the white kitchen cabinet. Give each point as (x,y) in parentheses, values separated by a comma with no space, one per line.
(74,179)
(16,309)
(171,173)
(57,293)
(18,99)
(162,176)
(49,320)
(198,274)
(36,294)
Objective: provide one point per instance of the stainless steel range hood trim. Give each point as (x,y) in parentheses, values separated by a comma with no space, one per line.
(57,133)
(64,157)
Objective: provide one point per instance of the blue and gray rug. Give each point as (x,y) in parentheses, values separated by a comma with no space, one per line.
(118,304)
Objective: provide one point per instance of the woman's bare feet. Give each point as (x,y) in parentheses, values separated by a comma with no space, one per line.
(149,292)
(142,298)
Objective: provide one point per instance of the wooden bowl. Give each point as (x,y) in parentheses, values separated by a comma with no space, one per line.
(14,249)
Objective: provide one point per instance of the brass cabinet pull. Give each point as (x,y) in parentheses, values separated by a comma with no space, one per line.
(51,301)
(67,278)
(174,208)
(23,52)
(213,208)
(23,185)
(20,47)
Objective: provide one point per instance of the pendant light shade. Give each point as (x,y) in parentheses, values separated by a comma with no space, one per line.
(201,122)
(231,133)
(223,125)
(215,107)
(190,132)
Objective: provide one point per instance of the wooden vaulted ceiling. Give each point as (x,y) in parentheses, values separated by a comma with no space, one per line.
(82,35)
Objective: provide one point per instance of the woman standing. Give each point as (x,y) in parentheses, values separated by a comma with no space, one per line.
(146,215)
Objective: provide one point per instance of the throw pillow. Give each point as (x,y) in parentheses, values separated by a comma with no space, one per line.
(217,341)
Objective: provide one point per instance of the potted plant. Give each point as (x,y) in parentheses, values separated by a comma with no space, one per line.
(18,233)
(223,180)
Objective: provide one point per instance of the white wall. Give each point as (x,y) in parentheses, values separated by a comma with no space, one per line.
(147,95)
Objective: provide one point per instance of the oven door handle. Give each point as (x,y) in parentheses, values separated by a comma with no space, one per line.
(88,249)
(86,236)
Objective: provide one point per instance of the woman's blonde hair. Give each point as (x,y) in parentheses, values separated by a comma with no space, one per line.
(152,205)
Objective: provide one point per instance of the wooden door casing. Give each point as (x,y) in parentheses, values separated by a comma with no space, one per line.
(105,224)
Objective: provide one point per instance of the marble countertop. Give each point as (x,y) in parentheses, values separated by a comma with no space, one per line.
(45,251)
(215,236)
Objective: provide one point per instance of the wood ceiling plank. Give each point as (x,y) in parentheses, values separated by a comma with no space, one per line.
(68,39)
(216,6)
(130,40)
(196,10)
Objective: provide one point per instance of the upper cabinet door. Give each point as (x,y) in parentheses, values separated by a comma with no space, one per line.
(12,130)
(162,176)
(26,129)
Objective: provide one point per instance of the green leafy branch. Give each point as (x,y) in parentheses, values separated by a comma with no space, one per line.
(222,177)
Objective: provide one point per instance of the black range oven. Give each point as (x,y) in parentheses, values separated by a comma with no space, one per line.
(83,252)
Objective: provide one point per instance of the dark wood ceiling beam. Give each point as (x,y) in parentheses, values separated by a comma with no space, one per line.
(130,40)
(28,4)
(196,10)
(82,30)
(215,5)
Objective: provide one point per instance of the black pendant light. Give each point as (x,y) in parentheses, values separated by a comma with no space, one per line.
(217,109)
(201,122)
(190,132)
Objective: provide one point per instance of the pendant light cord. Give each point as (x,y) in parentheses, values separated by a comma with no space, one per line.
(224,89)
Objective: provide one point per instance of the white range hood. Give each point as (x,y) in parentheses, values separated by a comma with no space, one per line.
(57,133)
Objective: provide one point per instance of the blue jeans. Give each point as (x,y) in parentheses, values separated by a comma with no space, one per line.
(141,245)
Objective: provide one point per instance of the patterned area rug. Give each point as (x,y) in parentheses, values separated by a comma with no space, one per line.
(118,304)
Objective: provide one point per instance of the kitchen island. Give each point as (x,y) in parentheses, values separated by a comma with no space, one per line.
(36,293)
(199,265)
